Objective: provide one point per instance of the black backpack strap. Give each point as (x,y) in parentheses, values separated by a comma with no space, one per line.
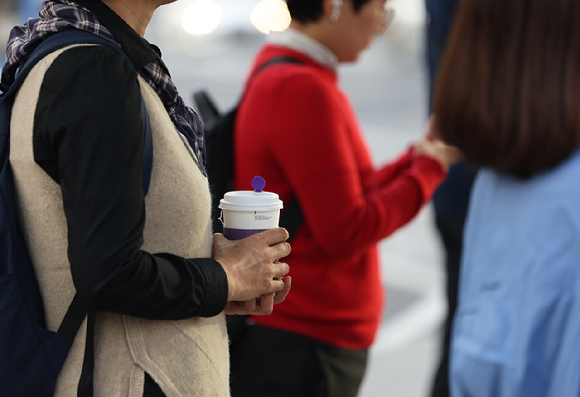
(85,387)
(270,62)
(69,327)
(57,41)
(273,61)
(72,319)
(206,107)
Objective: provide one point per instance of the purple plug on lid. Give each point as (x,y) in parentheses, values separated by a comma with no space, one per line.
(258,183)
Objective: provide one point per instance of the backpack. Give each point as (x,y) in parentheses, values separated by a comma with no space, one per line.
(219,133)
(31,356)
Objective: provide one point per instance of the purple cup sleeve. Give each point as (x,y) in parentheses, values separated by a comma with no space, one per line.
(238,234)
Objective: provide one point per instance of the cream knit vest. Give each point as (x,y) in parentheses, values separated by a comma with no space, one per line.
(187,357)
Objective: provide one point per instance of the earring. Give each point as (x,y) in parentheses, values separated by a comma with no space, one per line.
(336,10)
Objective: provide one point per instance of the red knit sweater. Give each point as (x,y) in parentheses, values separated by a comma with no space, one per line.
(297,129)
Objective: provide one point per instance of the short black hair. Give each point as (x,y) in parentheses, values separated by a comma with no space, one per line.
(311,10)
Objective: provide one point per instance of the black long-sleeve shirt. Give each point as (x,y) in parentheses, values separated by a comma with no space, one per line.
(88,136)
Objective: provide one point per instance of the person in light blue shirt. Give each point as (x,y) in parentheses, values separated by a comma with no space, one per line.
(508,96)
(517,328)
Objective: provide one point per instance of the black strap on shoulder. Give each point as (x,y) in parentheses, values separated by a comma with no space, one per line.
(270,62)
(273,61)
(73,318)
(148,150)
(60,40)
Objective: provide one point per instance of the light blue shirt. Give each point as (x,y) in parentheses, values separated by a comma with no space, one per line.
(517,325)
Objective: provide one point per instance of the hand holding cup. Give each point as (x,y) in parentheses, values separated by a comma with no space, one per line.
(250,248)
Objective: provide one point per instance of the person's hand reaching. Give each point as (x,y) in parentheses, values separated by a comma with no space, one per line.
(432,146)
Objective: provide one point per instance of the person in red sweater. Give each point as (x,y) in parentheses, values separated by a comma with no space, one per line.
(297,129)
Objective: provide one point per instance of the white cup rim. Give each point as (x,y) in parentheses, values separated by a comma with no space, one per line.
(246,200)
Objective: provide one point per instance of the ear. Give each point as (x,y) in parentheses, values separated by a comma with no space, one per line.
(332,9)
(327,8)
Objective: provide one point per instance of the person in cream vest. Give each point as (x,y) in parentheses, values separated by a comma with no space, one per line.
(148,265)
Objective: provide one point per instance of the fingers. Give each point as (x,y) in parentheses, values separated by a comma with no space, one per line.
(437,150)
(266,305)
(281,250)
(275,236)
(218,236)
(249,306)
(240,308)
(263,305)
(280,270)
(280,296)
(270,241)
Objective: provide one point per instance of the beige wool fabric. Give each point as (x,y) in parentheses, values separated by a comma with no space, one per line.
(186,357)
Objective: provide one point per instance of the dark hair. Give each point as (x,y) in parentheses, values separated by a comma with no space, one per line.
(508,92)
(305,11)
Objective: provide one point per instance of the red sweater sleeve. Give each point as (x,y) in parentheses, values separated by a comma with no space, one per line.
(299,132)
(426,170)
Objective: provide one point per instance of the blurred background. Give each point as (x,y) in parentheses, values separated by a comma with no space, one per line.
(210,43)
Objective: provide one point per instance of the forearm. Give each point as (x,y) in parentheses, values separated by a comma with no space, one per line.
(161,286)
(357,217)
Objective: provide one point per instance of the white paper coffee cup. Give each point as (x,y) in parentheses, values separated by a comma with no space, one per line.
(245,212)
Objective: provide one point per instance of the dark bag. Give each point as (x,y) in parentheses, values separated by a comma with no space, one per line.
(219,135)
(31,356)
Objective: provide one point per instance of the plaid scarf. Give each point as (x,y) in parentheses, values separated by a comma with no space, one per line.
(59,15)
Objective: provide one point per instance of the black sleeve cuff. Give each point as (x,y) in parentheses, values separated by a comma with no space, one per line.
(215,287)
